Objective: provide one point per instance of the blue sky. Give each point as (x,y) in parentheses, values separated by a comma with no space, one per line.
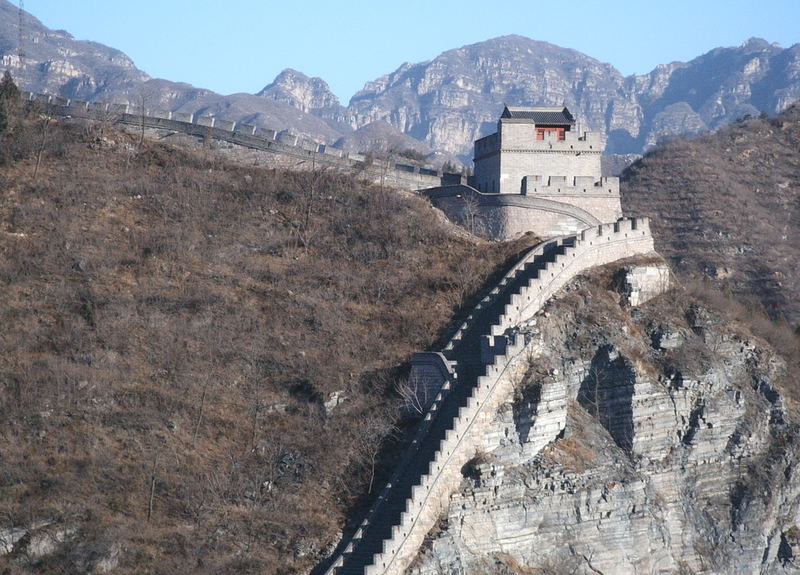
(241,45)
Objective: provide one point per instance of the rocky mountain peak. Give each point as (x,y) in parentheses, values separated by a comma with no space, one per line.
(300,91)
(446,102)
(755,43)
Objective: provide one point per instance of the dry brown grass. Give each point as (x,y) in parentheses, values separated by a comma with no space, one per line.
(725,206)
(173,325)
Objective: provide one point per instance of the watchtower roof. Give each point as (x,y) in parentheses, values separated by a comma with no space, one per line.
(550,115)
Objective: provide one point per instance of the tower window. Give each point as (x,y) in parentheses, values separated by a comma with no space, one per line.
(557,131)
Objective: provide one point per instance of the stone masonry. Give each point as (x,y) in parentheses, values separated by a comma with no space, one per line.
(478,370)
(535,174)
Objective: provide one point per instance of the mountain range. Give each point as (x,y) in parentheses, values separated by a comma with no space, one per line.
(443,104)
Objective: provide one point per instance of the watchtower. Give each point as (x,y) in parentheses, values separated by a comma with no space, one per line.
(537,174)
(534,141)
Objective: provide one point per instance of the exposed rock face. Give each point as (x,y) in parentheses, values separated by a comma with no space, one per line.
(56,63)
(621,456)
(641,283)
(300,91)
(310,95)
(449,101)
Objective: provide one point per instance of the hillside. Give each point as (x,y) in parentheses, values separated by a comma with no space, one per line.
(200,372)
(726,206)
(180,331)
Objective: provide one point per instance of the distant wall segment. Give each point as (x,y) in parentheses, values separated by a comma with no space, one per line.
(283,149)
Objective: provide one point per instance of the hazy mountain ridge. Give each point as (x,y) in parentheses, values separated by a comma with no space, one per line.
(446,102)
(58,64)
(432,100)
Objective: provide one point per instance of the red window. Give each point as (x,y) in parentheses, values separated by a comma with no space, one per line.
(542,130)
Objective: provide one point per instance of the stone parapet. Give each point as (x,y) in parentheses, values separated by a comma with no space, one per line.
(283,147)
(507,216)
(594,246)
(571,187)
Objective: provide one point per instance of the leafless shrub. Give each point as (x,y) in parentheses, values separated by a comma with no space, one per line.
(161,306)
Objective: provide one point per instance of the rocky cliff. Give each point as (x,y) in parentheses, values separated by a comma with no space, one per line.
(651,439)
(458,95)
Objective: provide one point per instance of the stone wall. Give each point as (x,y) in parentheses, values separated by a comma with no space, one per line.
(594,246)
(507,216)
(283,149)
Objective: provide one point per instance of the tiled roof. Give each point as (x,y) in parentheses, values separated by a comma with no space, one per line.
(540,115)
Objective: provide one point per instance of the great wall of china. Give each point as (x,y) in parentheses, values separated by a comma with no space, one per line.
(476,371)
(282,148)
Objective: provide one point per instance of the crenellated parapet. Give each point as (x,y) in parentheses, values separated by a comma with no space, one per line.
(571,186)
(484,359)
(290,149)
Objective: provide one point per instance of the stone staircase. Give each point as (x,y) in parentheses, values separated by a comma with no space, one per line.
(470,363)
(484,354)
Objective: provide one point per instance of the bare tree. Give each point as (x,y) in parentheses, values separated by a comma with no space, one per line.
(369,440)
(143,99)
(414,392)
(472,215)
(45,123)
(152,496)
(591,394)
(105,117)
(300,216)
(200,411)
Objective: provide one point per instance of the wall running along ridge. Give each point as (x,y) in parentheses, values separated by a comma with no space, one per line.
(534,279)
(301,152)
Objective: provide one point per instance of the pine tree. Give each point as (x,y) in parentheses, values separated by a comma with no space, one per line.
(9,100)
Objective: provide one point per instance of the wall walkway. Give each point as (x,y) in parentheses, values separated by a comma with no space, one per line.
(483,361)
(284,144)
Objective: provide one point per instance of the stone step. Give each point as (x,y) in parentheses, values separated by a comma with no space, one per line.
(466,353)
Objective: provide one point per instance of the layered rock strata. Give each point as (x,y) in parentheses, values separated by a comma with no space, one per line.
(642,440)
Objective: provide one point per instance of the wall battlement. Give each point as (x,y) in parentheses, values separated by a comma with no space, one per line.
(579,186)
(588,142)
(463,408)
(279,143)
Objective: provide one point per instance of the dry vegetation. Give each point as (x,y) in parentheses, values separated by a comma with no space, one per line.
(727,206)
(172,328)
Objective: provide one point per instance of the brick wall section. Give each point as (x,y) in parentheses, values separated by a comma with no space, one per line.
(595,246)
(282,149)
